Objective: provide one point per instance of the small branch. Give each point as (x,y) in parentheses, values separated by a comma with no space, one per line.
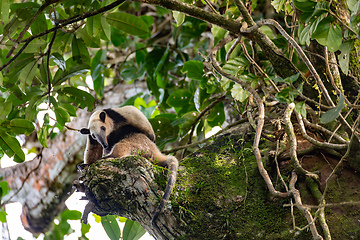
(342,22)
(61,24)
(210,106)
(293,143)
(327,205)
(204,140)
(315,142)
(342,159)
(314,188)
(302,208)
(324,130)
(32,19)
(48,74)
(232,48)
(244,12)
(297,48)
(252,61)
(39,156)
(301,54)
(260,124)
(211,7)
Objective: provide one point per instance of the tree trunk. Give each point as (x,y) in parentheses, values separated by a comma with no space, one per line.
(219,193)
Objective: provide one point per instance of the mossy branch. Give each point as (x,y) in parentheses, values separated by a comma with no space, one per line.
(260,123)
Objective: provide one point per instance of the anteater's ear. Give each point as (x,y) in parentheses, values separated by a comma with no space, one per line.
(102,116)
(84,131)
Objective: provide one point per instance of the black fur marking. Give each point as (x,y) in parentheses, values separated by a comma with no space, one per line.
(114,115)
(121,133)
(84,131)
(93,141)
(102,116)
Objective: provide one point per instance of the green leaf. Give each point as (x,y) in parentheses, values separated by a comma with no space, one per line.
(21,126)
(4,10)
(132,230)
(43,134)
(62,116)
(300,107)
(97,67)
(58,60)
(81,98)
(278,5)
(187,120)
(344,57)
(286,95)
(2,215)
(179,18)
(304,5)
(239,93)
(63,76)
(127,23)
(85,229)
(218,33)
(160,81)
(80,52)
(27,75)
(354,5)
(216,115)
(90,41)
(332,114)
(236,65)
(111,227)
(5,108)
(39,25)
(194,70)
(4,188)
(179,98)
(117,37)
(70,215)
(328,34)
(11,146)
(69,108)
(163,128)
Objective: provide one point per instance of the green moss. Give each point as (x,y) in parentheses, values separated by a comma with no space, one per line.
(244,210)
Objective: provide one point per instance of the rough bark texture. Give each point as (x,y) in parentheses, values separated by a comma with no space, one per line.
(43,184)
(220,194)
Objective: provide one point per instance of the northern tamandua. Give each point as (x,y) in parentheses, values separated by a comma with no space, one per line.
(125,131)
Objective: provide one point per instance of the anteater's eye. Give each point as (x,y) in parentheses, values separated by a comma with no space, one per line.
(103,128)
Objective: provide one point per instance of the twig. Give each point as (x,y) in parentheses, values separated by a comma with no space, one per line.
(210,106)
(342,159)
(61,25)
(260,124)
(211,6)
(48,74)
(252,61)
(302,208)
(32,19)
(316,142)
(326,205)
(39,155)
(301,54)
(293,143)
(324,130)
(206,139)
(233,46)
